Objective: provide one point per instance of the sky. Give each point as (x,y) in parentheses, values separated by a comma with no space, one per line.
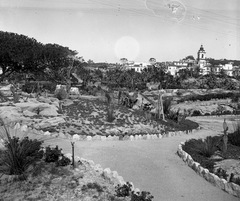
(107,30)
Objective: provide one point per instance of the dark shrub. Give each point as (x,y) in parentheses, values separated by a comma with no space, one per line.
(205,148)
(221,173)
(55,155)
(124,190)
(19,155)
(143,196)
(63,161)
(196,113)
(167,105)
(61,94)
(234,138)
(52,154)
(94,185)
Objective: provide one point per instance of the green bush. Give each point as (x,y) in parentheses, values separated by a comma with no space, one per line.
(143,196)
(205,147)
(94,185)
(196,113)
(52,154)
(234,138)
(124,190)
(63,161)
(55,155)
(167,105)
(19,155)
(61,94)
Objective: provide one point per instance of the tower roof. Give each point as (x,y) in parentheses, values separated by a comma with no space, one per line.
(201,48)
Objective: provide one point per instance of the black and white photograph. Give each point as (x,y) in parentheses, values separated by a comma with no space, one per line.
(119,100)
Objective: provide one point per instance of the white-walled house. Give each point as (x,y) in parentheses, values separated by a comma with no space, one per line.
(137,66)
(228,69)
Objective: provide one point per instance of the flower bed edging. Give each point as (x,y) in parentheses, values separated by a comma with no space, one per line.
(229,187)
(77,137)
(107,172)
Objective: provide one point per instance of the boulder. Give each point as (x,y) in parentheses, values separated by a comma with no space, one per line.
(74,91)
(54,121)
(6,90)
(44,109)
(29,113)
(10,113)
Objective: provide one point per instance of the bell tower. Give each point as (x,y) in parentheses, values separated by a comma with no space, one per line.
(201,56)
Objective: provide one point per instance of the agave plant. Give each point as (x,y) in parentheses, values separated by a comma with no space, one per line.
(205,147)
(18,153)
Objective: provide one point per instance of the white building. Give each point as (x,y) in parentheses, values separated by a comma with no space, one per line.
(228,69)
(174,68)
(137,66)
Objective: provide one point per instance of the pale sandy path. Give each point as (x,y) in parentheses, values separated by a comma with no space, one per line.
(153,165)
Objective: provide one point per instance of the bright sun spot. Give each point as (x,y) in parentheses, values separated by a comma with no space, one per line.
(127,47)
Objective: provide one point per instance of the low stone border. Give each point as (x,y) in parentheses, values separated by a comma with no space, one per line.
(229,187)
(107,172)
(77,137)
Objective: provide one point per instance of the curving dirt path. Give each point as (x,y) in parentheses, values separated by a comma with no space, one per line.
(153,165)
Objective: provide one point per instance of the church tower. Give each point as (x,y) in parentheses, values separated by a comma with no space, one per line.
(201,57)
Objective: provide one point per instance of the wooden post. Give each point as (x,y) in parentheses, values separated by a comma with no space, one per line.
(73,161)
(225,137)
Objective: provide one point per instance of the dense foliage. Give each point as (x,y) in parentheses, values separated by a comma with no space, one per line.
(19,155)
(21,56)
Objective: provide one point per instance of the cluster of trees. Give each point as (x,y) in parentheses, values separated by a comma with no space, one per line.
(20,54)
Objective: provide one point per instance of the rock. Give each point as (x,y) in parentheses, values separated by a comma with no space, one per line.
(236,189)
(103,138)
(149,137)
(17,126)
(115,174)
(49,112)
(107,172)
(89,138)
(47,133)
(121,180)
(91,162)
(74,91)
(10,113)
(6,90)
(76,137)
(185,155)
(28,113)
(54,121)
(190,161)
(44,109)
(98,168)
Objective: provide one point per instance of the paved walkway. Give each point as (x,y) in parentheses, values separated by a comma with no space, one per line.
(153,165)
